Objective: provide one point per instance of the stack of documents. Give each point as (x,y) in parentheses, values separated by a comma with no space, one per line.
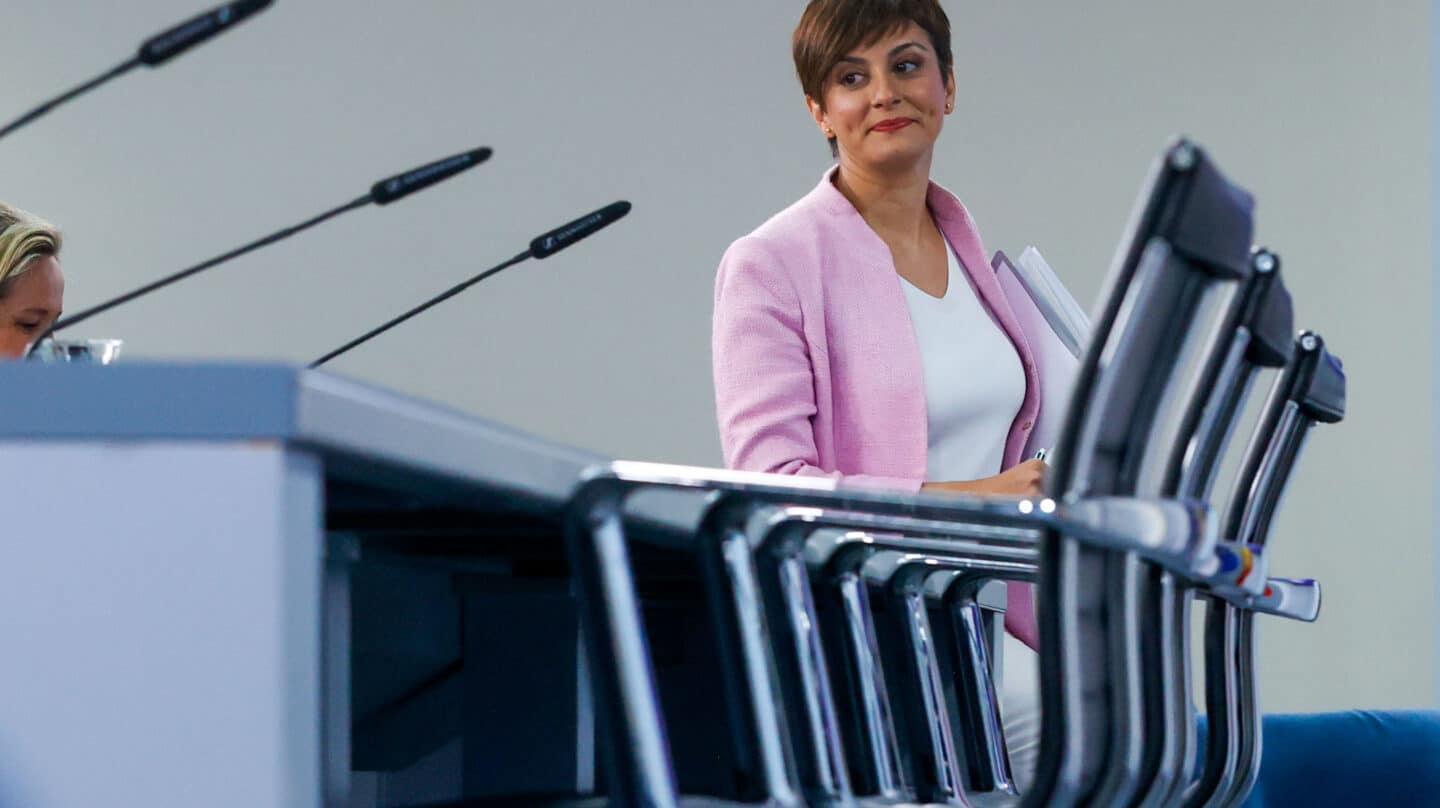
(1056,329)
(1069,322)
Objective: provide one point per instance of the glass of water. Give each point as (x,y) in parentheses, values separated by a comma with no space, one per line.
(86,351)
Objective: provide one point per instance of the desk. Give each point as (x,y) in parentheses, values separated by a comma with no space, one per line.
(179,546)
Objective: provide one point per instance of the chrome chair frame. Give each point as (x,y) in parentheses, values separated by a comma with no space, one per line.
(1254,333)
(1183,261)
(907,580)
(1238,584)
(845,560)
(1172,531)
(636,754)
(782,535)
(1311,390)
(1175,534)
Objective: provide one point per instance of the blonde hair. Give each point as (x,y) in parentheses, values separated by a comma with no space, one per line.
(24,238)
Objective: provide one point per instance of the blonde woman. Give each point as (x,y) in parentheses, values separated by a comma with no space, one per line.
(32,288)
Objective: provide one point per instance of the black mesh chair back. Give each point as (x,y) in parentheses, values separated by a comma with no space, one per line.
(1172,288)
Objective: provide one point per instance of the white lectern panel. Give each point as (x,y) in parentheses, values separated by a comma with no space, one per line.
(159,624)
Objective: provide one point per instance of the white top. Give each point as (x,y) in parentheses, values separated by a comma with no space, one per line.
(974,384)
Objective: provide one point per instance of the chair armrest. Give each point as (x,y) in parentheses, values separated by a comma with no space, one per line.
(1237,572)
(1174,533)
(1290,598)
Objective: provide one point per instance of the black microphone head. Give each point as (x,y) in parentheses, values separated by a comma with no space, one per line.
(563,236)
(168,44)
(402,185)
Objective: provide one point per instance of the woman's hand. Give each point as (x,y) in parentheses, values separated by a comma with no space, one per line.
(1022,480)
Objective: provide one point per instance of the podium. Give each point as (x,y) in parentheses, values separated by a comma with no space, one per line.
(238,584)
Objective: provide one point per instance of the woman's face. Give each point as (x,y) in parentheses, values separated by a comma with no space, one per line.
(30,306)
(886,102)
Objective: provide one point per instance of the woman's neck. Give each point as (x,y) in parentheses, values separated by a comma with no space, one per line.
(894,204)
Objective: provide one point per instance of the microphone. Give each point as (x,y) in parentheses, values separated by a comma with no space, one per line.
(546,245)
(157,50)
(164,46)
(384,192)
(542,246)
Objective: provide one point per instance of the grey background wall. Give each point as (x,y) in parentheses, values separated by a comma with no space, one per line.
(690,110)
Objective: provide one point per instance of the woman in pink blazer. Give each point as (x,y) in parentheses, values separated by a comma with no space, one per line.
(830,343)
(826,359)
(818,369)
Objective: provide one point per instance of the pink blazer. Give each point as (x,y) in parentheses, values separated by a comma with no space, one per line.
(817,368)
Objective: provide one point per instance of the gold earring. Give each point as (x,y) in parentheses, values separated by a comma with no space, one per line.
(829,132)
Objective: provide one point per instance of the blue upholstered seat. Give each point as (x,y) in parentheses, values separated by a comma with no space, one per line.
(1352,758)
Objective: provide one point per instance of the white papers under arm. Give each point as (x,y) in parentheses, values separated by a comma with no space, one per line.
(1056,362)
(1054,301)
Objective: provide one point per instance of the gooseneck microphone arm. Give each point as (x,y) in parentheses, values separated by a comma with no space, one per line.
(384,192)
(69,94)
(279,235)
(431,303)
(542,246)
(157,50)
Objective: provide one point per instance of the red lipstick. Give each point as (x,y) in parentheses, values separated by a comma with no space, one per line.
(891,125)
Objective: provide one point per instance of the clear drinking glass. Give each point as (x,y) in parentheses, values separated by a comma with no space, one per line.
(91,351)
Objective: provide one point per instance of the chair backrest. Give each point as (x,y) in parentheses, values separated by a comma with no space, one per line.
(1261,337)
(1185,253)
(1310,391)
(1135,396)
(1253,332)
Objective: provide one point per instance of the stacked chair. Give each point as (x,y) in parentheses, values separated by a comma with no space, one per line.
(855,647)
(1311,390)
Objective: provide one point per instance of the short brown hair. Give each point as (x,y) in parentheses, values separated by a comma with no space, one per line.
(830,29)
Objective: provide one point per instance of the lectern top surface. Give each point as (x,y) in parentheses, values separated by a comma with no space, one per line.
(343,420)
